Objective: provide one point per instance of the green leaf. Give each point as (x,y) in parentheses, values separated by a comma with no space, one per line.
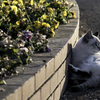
(2,82)
(15,50)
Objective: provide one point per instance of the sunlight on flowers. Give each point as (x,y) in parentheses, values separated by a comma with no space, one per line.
(20,1)
(55,23)
(64,13)
(14,2)
(31,2)
(43,17)
(52,33)
(41,1)
(37,24)
(50,9)
(4,2)
(14,8)
(74,14)
(45,25)
(17,22)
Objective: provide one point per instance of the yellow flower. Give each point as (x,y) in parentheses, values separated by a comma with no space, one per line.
(50,9)
(52,33)
(52,29)
(20,1)
(15,2)
(43,17)
(24,19)
(14,8)
(45,25)
(57,8)
(17,22)
(29,28)
(55,23)
(41,1)
(56,26)
(64,13)
(1,13)
(4,2)
(74,14)
(38,5)
(31,2)
(37,24)
(58,2)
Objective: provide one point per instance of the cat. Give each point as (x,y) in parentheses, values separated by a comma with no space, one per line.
(85,66)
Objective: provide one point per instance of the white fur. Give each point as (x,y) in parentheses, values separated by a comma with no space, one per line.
(86,57)
(82,51)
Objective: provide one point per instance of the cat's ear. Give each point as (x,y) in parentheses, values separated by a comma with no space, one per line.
(87,36)
(96,33)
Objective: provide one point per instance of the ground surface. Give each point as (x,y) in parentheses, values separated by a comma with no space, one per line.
(89,15)
(89,19)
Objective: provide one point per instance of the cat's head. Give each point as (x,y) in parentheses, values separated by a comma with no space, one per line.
(91,42)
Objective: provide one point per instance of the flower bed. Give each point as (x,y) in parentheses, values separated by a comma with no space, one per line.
(46,77)
(25,27)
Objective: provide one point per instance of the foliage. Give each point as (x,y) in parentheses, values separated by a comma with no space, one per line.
(25,26)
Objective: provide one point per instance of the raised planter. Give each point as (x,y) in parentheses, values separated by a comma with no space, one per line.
(46,78)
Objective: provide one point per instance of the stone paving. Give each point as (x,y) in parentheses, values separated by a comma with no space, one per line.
(89,15)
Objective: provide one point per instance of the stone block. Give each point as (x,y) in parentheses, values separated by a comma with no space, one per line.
(49,68)
(54,83)
(67,62)
(51,97)
(58,60)
(57,93)
(45,91)
(60,73)
(15,96)
(64,53)
(64,84)
(36,96)
(28,88)
(39,78)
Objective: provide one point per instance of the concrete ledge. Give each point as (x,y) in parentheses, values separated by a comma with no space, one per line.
(46,81)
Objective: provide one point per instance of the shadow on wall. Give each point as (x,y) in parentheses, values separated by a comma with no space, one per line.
(67,60)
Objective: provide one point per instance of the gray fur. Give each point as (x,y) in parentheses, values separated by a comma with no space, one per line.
(86,58)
